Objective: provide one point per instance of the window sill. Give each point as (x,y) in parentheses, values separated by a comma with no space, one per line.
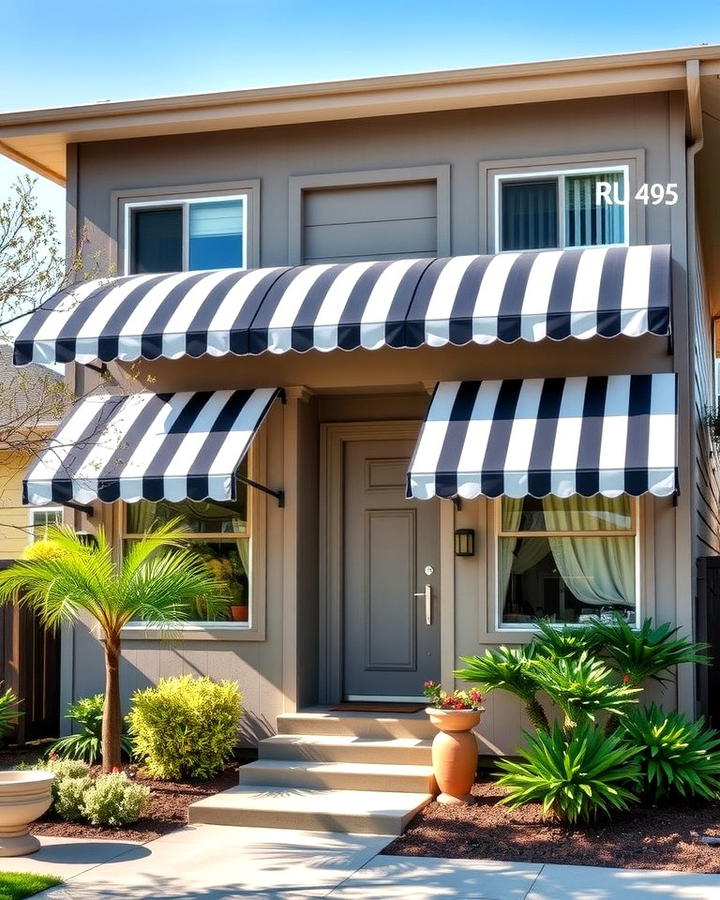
(193,631)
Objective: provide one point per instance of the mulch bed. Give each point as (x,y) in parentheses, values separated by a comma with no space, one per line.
(664,837)
(167,809)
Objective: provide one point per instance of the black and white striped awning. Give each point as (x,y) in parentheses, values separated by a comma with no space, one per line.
(148,447)
(403,303)
(608,435)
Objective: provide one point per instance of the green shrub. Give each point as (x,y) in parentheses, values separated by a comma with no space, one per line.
(570,640)
(677,757)
(185,726)
(647,652)
(87,743)
(69,794)
(64,770)
(509,669)
(581,687)
(9,711)
(114,800)
(575,776)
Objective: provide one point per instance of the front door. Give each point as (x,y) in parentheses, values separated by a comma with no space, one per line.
(391,576)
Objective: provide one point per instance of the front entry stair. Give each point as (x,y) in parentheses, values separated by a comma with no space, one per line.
(331,771)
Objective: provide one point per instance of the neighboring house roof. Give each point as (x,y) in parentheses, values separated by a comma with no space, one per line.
(38,138)
(32,399)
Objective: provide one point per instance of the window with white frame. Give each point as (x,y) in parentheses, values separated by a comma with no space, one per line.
(186,234)
(219,531)
(556,209)
(41,519)
(567,560)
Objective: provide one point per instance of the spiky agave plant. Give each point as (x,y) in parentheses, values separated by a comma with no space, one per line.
(566,641)
(575,777)
(647,652)
(508,669)
(677,756)
(581,687)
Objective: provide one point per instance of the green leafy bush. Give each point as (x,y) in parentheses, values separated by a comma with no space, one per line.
(582,687)
(647,652)
(9,710)
(185,726)
(69,794)
(509,669)
(569,640)
(677,757)
(64,769)
(86,744)
(575,777)
(114,800)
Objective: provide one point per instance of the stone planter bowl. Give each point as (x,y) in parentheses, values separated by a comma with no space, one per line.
(24,797)
(454,752)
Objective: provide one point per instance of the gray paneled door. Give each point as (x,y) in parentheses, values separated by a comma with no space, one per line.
(391,575)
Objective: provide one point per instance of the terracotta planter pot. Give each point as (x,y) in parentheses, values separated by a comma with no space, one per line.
(454,752)
(240,612)
(24,797)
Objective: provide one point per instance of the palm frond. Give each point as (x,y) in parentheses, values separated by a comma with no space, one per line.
(582,687)
(648,652)
(569,640)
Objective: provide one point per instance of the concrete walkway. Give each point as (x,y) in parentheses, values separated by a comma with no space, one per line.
(215,862)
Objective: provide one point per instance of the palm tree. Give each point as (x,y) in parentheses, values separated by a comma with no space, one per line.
(158,581)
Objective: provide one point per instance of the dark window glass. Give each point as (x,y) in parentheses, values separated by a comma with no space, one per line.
(529,215)
(157,240)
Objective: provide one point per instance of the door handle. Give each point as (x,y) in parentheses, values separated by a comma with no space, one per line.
(427,594)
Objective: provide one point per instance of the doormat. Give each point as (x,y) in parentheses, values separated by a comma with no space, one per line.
(364,706)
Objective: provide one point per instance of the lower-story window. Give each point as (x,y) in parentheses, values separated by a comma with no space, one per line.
(41,519)
(219,532)
(566,560)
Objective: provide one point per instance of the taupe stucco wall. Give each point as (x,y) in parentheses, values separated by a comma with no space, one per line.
(280,671)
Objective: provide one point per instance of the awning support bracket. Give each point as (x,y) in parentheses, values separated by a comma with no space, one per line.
(101,369)
(278,495)
(80,507)
(457,503)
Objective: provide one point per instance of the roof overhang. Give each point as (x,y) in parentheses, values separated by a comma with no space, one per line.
(38,138)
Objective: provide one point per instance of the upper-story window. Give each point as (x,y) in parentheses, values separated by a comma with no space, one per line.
(558,209)
(187,234)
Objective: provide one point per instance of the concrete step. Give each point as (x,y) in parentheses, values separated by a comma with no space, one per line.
(346,748)
(353,812)
(348,776)
(369,725)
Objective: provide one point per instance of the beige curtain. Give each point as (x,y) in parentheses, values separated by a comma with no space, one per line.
(511,513)
(600,571)
(140,516)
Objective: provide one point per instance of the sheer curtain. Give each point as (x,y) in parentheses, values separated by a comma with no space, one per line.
(586,222)
(511,513)
(600,571)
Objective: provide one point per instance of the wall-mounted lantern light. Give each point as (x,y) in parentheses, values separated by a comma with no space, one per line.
(465,542)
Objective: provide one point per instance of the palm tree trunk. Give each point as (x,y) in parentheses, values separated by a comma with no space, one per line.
(536,714)
(112,716)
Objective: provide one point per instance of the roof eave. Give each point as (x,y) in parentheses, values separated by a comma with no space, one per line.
(34,137)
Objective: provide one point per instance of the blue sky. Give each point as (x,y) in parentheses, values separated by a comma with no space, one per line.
(55,54)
